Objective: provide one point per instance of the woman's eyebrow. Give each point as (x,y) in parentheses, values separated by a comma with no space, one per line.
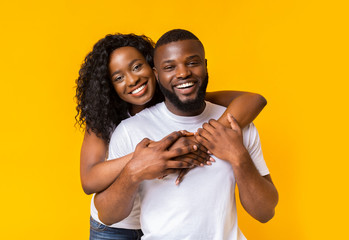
(130,65)
(133,61)
(114,73)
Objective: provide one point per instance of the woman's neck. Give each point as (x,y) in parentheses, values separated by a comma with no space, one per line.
(134,109)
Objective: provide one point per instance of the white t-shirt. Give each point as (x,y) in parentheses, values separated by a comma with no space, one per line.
(132,221)
(203,205)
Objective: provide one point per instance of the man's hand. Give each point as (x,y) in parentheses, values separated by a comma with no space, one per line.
(157,160)
(258,194)
(224,143)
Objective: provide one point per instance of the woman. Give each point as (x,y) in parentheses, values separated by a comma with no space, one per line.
(103,103)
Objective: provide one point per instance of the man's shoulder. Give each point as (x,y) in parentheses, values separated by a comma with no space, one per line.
(213,110)
(215,106)
(250,131)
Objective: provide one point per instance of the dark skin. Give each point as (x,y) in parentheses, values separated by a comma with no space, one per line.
(254,190)
(239,107)
(146,167)
(97,173)
(176,63)
(184,62)
(128,71)
(148,162)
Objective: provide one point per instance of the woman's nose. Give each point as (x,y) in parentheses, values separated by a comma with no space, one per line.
(132,79)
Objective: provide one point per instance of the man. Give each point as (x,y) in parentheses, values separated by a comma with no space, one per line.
(203,206)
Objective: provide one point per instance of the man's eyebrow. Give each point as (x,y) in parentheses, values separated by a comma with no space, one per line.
(167,61)
(188,58)
(130,65)
(193,56)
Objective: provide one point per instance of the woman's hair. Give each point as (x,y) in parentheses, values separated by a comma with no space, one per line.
(98,105)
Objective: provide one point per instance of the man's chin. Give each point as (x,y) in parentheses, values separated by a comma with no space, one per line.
(190,105)
(187,100)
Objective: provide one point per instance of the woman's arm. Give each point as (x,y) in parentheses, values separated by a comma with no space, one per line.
(148,162)
(95,172)
(244,106)
(258,194)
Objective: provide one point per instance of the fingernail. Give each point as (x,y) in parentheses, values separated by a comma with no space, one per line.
(177,182)
(212,159)
(195,147)
(201,164)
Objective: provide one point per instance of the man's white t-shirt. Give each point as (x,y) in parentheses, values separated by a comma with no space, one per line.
(203,205)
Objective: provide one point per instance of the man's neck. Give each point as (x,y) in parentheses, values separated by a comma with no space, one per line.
(172,108)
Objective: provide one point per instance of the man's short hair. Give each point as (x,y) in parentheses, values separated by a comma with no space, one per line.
(176,35)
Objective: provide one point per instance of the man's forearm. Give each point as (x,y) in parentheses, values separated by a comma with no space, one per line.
(116,202)
(258,194)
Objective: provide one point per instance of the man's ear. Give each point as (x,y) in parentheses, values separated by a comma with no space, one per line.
(156,74)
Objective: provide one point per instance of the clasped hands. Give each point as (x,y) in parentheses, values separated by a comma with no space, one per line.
(181,151)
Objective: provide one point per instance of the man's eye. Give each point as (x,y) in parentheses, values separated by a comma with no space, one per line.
(193,63)
(168,68)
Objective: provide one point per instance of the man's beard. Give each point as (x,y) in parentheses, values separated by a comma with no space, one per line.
(190,105)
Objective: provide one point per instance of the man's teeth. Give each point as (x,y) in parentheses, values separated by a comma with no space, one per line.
(185,85)
(138,89)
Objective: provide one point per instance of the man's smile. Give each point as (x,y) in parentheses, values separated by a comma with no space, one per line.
(184,85)
(186,88)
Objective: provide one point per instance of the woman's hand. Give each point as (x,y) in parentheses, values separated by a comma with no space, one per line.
(150,162)
(200,155)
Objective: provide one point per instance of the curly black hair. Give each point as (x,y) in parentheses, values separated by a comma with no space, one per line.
(98,105)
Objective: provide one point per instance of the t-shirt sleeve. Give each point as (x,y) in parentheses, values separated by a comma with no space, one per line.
(253,145)
(120,143)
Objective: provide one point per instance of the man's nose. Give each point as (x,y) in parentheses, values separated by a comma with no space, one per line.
(183,72)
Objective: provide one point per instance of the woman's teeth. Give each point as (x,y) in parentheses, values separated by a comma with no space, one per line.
(138,89)
(185,85)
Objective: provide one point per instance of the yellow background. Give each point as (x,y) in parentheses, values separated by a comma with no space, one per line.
(295,53)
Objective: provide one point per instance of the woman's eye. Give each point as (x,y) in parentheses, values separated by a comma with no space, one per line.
(118,78)
(137,67)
